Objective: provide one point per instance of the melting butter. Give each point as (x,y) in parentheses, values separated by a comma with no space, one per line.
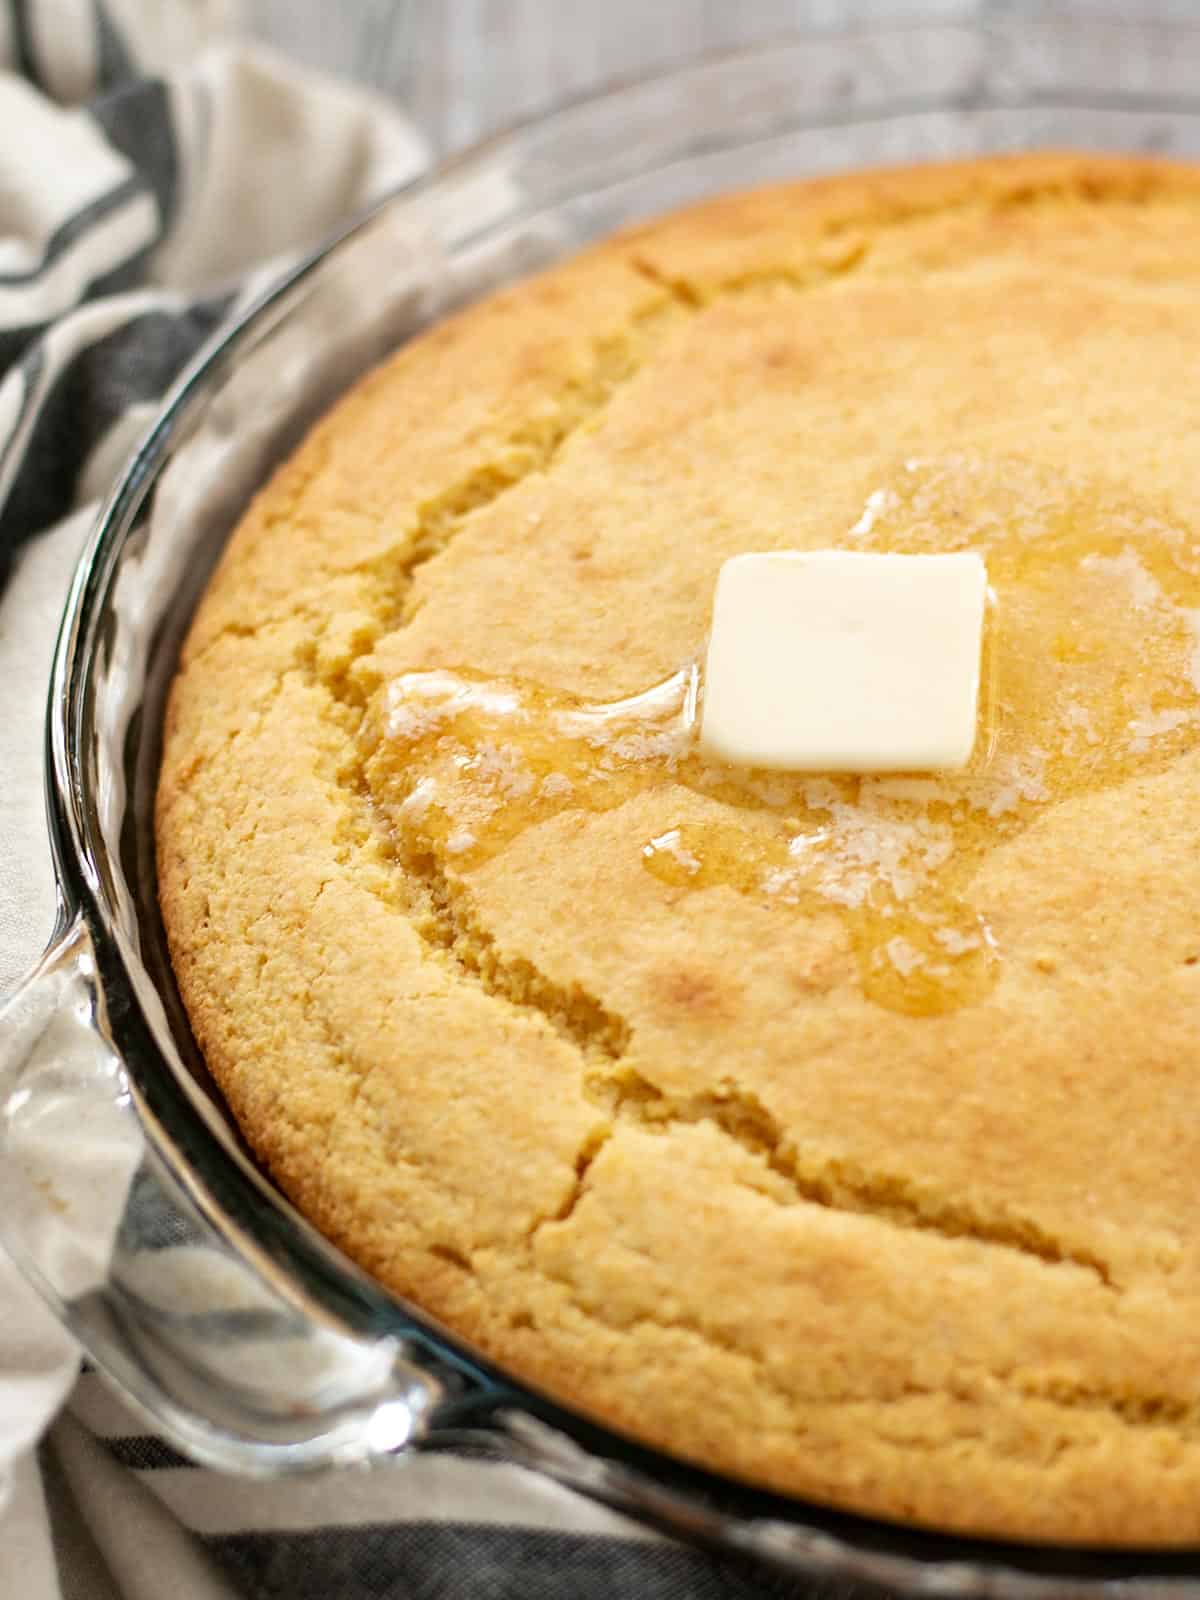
(1091,676)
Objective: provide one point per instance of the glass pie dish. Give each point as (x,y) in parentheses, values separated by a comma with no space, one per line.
(252,1344)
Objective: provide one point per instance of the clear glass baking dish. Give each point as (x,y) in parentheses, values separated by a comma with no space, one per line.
(250,1342)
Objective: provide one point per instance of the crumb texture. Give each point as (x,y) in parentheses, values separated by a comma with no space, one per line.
(837,1134)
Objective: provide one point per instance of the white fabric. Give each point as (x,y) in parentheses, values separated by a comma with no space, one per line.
(267,145)
(29,613)
(37,1368)
(83,170)
(66,43)
(162,33)
(27,1563)
(263,123)
(146,1551)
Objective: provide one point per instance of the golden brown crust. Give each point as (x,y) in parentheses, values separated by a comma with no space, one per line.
(652,1147)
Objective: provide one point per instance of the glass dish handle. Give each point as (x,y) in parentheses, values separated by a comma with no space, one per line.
(227,1367)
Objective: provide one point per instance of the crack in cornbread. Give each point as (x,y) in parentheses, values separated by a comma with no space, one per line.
(835,1183)
(445,923)
(834,1135)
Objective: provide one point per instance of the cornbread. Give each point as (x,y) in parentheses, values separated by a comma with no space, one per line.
(838,1133)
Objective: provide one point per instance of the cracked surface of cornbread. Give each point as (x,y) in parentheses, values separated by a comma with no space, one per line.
(838,1134)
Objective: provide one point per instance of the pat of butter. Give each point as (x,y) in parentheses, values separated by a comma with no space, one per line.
(845,661)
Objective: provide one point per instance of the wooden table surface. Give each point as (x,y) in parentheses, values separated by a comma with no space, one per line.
(465,67)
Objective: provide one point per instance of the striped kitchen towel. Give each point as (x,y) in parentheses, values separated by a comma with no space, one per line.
(151,171)
(133,203)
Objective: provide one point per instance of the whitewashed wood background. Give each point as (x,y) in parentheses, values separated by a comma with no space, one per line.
(466,67)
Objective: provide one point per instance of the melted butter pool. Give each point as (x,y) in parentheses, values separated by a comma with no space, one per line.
(1091,676)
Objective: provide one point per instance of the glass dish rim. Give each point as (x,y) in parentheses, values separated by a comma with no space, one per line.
(81,886)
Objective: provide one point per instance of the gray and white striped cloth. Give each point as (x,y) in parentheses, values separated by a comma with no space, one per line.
(149,167)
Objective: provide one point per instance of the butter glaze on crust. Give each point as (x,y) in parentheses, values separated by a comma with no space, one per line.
(650,1144)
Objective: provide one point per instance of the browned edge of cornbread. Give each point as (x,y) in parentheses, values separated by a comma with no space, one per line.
(334,1023)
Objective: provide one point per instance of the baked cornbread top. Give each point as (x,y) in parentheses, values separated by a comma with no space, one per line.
(836,1133)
